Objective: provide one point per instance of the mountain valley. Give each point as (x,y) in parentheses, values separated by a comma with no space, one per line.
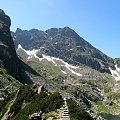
(75,79)
(55,74)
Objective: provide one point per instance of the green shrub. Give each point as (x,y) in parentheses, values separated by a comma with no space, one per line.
(77,113)
(40,102)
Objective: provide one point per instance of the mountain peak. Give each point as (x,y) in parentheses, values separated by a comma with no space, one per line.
(67,28)
(66,44)
(8,55)
(4,20)
(1,11)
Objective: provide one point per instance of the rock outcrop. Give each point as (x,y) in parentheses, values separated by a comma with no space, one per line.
(7,51)
(8,56)
(66,44)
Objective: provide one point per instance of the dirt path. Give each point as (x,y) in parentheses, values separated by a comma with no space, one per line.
(6,115)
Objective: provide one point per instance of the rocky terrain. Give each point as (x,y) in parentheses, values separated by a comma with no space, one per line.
(66,44)
(59,60)
(94,89)
(19,101)
(8,56)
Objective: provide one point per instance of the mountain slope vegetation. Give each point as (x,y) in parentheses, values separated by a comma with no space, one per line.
(89,87)
(66,44)
(59,60)
(8,56)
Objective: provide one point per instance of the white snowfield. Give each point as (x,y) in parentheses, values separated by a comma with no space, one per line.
(63,72)
(118,69)
(115,73)
(32,53)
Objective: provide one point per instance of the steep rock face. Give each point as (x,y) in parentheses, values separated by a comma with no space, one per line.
(4,19)
(8,56)
(7,51)
(66,44)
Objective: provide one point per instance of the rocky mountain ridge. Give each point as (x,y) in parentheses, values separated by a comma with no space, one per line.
(7,51)
(8,57)
(93,89)
(61,61)
(66,44)
(90,88)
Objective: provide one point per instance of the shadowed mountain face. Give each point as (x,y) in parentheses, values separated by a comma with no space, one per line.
(7,51)
(8,56)
(66,44)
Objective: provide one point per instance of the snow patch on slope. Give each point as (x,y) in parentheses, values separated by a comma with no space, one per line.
(63,72)
(29,52)
(49,58)
(68,66)
(115,73)
(32,53)
(19,47)
(118,69)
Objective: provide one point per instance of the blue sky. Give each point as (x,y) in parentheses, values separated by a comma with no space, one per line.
(97,21)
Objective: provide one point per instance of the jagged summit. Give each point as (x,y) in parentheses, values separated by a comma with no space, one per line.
(63,62)
(66,44)
(7,50)
(8,56)
(4,19)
